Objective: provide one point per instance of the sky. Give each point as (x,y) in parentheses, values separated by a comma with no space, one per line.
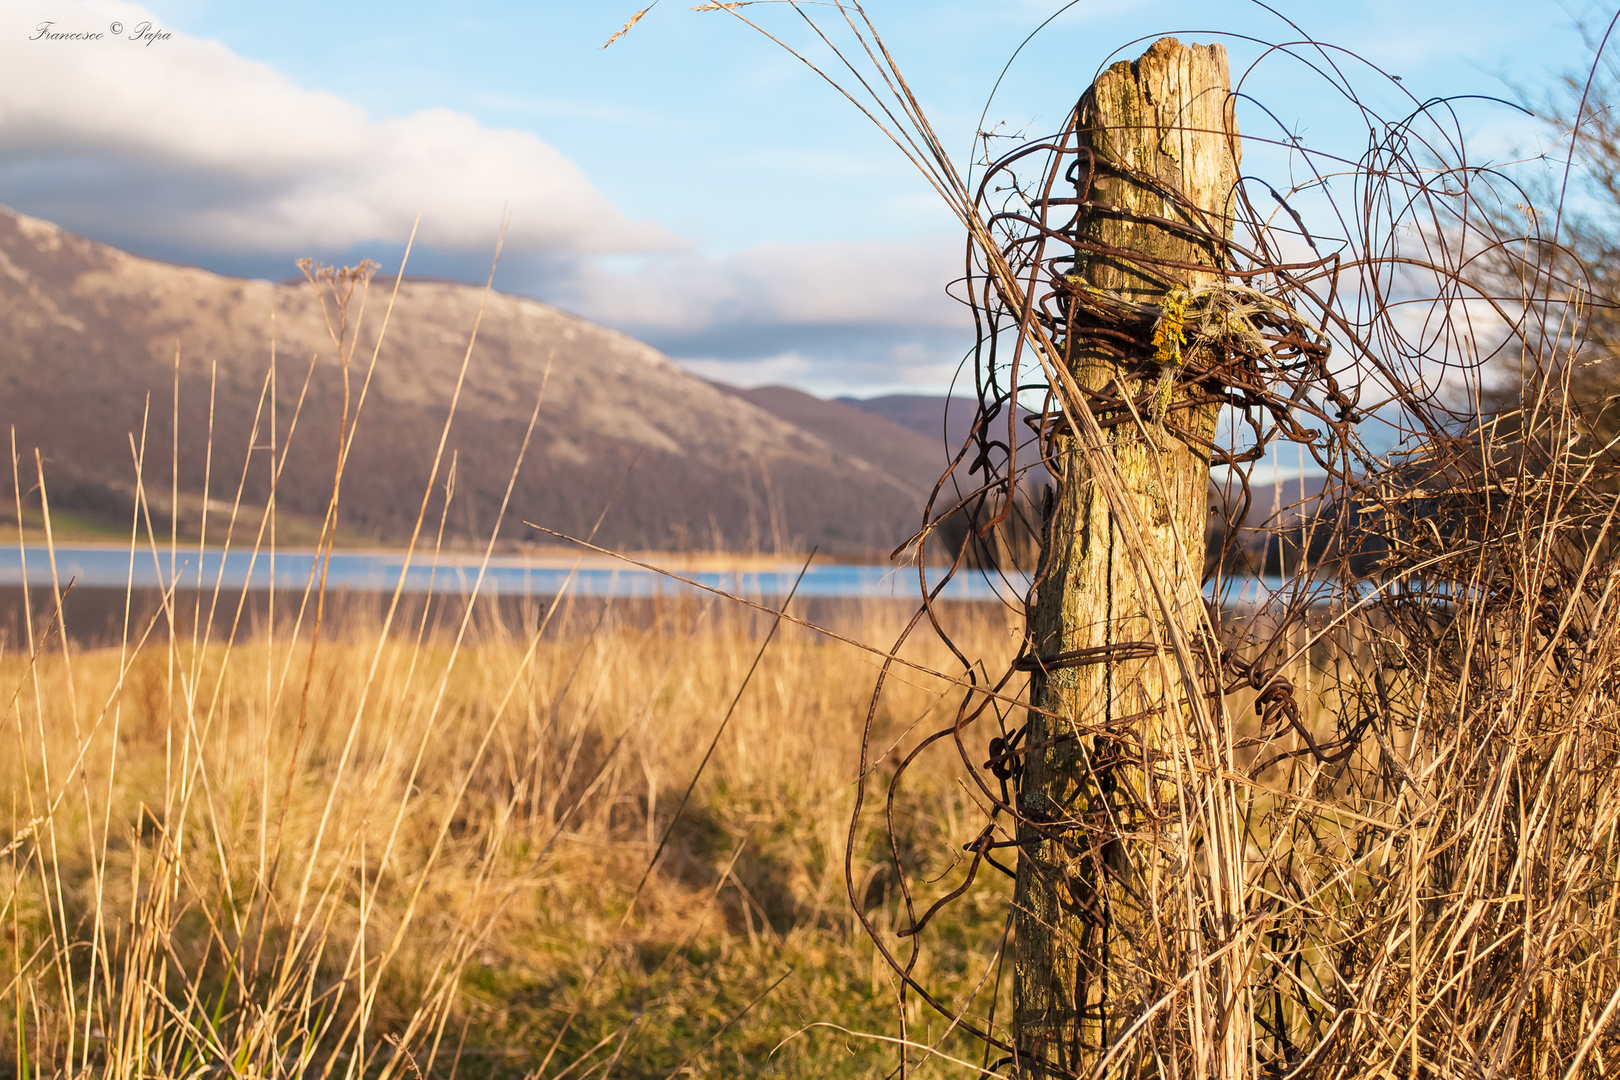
(693,184)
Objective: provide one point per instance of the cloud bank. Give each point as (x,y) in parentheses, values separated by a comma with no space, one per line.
(847,317)
(180,148)
(180,140)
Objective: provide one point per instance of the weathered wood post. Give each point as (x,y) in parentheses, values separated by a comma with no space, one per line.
(1099,847)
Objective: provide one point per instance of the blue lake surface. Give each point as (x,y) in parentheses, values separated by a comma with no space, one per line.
(108,567)
(380,571)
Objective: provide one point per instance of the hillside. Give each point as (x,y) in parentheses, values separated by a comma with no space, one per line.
(913,457)
(937,418)
(89,334)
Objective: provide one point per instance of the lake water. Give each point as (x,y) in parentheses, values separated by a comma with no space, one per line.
(108,567)
(380,571)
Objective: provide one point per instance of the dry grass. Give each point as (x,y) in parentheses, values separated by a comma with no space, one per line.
(398,846)
(388,855)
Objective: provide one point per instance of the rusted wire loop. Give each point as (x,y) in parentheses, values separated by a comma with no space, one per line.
(1006,763)
(1100,654)
(978,846)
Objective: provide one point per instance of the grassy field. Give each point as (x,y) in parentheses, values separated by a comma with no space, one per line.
(1375,835)
(388,853)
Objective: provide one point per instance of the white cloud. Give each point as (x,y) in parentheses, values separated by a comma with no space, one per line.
(833,318)
(196,145)
(832,284)
(906,372)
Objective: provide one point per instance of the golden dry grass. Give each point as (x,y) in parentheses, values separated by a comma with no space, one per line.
(388,855)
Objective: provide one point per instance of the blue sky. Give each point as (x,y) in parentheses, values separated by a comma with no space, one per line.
(693,184)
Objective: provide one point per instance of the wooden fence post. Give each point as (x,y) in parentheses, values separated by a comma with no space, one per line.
(1099,839)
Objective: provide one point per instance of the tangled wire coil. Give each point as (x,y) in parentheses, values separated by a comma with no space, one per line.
(1305,829)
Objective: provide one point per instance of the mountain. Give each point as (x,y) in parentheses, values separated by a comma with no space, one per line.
(915,458)
(939,418)
(949,422)
(90,335)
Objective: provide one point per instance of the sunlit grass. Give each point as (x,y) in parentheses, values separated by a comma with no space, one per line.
(390,855)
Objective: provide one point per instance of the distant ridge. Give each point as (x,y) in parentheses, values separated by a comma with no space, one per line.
(948,422)
(939,418)
(912,456)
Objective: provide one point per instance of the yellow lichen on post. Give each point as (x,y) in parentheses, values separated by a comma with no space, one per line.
(1123,565)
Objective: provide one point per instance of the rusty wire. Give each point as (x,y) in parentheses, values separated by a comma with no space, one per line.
(1414,738)
(1414,570)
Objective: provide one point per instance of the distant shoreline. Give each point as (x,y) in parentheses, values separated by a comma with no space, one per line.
(542,556)
(238,569)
